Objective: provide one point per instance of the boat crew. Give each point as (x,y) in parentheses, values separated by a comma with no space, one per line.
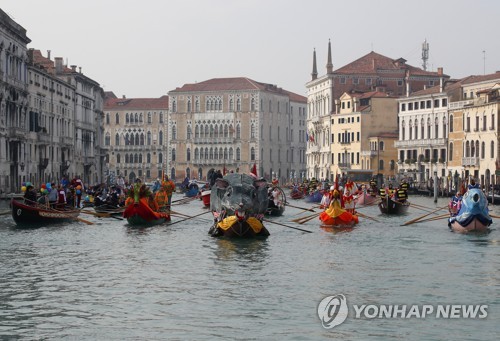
(401,194)
(382,193)
(61,197)
(30,196)
(472,184)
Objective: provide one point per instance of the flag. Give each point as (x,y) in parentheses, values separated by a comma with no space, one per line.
(307,137)
(254,169)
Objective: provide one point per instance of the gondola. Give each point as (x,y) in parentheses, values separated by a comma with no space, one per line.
(139,213)
(110,209)
(473,214)
(277,200)
(390,206)
(40,214)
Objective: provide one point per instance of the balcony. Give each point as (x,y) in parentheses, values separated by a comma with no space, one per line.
(65,140)
(88,161)
(370,153)
(426,143)
(17,133)
(470,161)
(43,163)
(344,165)
(43,138)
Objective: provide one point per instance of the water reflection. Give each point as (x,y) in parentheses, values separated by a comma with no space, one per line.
(252,249)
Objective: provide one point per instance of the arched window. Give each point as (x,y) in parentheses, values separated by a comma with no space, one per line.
(160,138)
(136,120)
(189,105)
(127,119)
(161,117)
(445,129)
(196,154)
(137,139)
(216,131)
(173,154)
(238,154)
(160,158)
(483,147)
(211,153)
(225,154)
(231,104)
(252,154)
(450,152)
(140,158)
(402,132)
(252,104)
(381,165)
(226,131)
(467,149)
(197,105)
(150,119)
(238,131)
(136,158)
(492,149)
(174,133)
(206,153)
(142,140)
(231,153)
(428,128)
(117,139)
(188,156)
(238,104)
(436,128)
(422,129)
(196,132)
(107,118)
(118,158)
(411,131)
(381,145)
(189,132)
(140,118)
(148,158)
(117,118)
(107,139)
(451,123)
(252,131)
(207,131)
(149,138)
(477,149)
(126,158)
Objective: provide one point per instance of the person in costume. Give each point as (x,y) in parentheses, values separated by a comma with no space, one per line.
(348,196)
(335,214)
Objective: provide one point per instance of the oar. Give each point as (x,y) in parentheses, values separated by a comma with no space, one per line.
(291,227)
(494,216)
(5,212)
(197,215)
(97,214)
(302,208)
(302,218)
(425,215)
(446,215)
(366,216)
(307,219)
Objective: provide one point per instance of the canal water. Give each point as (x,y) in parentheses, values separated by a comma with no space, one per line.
(109,281)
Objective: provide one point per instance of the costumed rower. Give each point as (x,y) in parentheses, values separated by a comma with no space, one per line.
(348,197)
(335,214)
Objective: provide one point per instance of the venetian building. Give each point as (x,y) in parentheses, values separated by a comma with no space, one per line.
(49,141)
(424,128)
(13,103)
(363,133)
(372,72)
(480,110)
(135,137)
(235,124)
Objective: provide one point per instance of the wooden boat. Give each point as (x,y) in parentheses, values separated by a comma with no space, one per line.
(336,216)
(205,197)
(239,227)
(390,206)
(139,213)
(365,199)
(296,193)
(314,197)
(40,214)
(277,200)
(110,209)
(473,215)
(193,190)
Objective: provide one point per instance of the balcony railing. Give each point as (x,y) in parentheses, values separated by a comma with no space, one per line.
(345,165)
(470,161)
(431,143)
(65,140)
(16,132)
(43,163)
(43,138)
(370,153)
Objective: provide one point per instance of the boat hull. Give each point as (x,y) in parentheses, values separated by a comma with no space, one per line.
(25,214)
(388,206)
(366,199)
(475,225)
(140,214)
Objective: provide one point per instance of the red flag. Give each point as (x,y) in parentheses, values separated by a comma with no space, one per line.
(254,169)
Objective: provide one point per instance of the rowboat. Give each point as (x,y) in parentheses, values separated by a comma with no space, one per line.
(140,214)
(110,209)
(365,199)
(473,215)
(205,197)
(39,214)
(335,216)
(391,206)
(238,227)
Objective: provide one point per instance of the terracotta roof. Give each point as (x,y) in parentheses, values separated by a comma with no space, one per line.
(137,103)
(373,62)
(48,64)
(372,94)
(482,78)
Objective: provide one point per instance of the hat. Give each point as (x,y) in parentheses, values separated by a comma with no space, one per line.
(332,188)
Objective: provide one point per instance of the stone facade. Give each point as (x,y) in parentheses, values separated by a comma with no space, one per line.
(236,124)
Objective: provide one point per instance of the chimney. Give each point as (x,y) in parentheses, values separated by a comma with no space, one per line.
(337,106)
(440,84)
(373,63)
(440,71)
(48,54)
(30,55)
(73,68)
(80,69)
(59,65)
(123,96)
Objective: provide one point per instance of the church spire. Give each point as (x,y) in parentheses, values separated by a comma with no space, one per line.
(329,65)
(314,74)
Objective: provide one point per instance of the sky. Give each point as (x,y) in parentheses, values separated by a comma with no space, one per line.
(144,49)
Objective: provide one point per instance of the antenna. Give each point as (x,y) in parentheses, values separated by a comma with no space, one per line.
(484,62)
(425,54)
